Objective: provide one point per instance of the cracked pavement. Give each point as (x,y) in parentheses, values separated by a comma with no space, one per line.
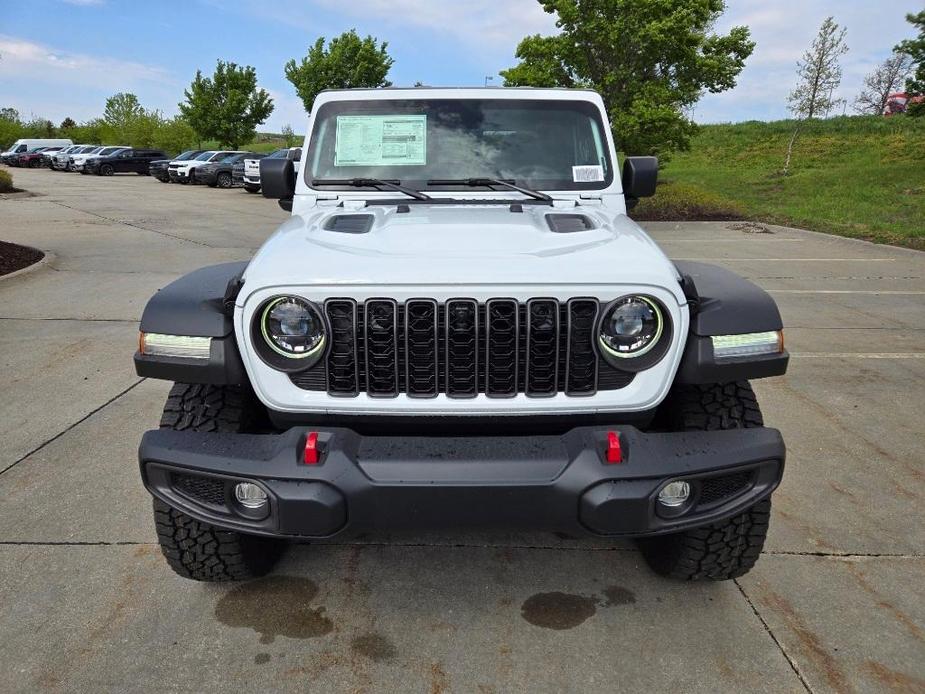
(836,603)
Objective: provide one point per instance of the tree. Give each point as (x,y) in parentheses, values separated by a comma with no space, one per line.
(67,124)
(288,135)
(121,111)
(649,59)
(886,79)
(346,63)
(915,49)
(174,135)
(9,113)
(228,106)
(819,72)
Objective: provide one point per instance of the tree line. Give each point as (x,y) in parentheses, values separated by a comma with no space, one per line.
(650,60)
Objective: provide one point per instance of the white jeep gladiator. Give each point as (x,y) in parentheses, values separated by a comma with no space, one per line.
(460,326)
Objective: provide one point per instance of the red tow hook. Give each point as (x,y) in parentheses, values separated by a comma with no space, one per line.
(312,455)
(614,454)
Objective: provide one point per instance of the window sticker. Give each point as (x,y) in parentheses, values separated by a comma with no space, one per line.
(380,141)
(588,174)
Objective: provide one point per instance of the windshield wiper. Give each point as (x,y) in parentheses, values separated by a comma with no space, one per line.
(488,183)
(371,183)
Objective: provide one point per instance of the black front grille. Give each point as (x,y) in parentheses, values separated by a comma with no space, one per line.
(462,348)
(204,489)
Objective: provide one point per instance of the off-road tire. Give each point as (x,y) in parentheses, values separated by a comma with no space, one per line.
(251,189)
(224,180)
(195,549)
(725,549)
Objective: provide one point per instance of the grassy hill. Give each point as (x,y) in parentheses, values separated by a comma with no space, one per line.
(858,176)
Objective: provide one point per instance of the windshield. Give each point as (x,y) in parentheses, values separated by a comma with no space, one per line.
(187,155)
(278,154)
(205,156)
(539,144)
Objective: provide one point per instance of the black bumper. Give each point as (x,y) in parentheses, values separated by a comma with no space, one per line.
(558,483)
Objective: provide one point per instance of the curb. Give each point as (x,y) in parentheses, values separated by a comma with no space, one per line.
(46,258)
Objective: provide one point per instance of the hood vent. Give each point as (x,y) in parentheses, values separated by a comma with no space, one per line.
(567,223)
(349,223)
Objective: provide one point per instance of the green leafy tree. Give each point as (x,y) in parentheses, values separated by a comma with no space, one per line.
(67,124)
(228,106)
(90,132)
(915,49)
(649,59)
(175,135)
(120,114)
(142,131)
(38,127)
(9,113)
(347,62)
(10,131)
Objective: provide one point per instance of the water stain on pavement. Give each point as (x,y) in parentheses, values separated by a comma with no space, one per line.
(558,610)
(275,606)
(374,646)
(566,611)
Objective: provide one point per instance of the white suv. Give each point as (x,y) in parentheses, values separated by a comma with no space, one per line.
(460,325)
(78,161)
(184,171)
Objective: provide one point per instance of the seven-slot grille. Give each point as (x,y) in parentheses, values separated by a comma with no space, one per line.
(462,348)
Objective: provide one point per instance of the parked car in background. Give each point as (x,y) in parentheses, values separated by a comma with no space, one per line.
(184,171)
(29,144)
(48,155)
(78,161)
(158,167)
(81,157)
(30,159)
(218,172)
(62,160)
(129,160)
(252,166)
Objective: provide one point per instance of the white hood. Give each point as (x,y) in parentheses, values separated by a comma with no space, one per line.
(468,245)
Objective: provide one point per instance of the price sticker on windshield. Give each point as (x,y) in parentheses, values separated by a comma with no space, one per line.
(588,174)
(381,141)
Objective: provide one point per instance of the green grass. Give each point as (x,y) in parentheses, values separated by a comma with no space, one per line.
(857,176)
(263,144)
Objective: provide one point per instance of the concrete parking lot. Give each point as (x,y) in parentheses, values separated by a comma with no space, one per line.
(836,603)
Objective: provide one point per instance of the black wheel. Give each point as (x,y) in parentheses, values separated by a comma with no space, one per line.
(251,189)
(163,180)
(190,176)
(729,548)
(224,180)
(194,549)
(35,163)
(107,170)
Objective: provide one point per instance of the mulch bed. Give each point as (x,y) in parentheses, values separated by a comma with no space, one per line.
(14,257)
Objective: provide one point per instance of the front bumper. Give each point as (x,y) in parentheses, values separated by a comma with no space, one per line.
(557,483)
(179,175)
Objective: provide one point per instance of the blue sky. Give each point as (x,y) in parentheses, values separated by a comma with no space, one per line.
(64,57)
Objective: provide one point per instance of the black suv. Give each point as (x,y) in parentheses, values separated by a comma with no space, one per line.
(219,173)
(158,167)
(126,161)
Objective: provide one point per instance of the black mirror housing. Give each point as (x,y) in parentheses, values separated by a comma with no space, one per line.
(277,178)
(640,176)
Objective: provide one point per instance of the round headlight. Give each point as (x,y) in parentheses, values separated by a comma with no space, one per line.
(631,327)
(292,327)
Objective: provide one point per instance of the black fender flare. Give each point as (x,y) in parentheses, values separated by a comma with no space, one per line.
(723,303)
(198,304)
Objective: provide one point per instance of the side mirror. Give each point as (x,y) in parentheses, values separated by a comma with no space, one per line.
(640,176)
(277,180)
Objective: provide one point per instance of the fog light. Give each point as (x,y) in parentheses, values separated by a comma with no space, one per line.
(250,495)
(674,494)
